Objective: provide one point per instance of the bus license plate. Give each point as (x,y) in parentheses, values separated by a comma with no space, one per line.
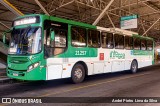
(15,74)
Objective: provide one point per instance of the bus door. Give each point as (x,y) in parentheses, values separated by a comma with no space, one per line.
(107,47)
(96,53)
(55,43)
(118,54)
(118,60)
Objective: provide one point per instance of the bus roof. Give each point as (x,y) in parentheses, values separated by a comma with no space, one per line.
(143,37)
(123,32)
(57,19)
(117,31)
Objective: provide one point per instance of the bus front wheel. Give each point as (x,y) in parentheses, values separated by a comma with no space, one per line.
(134,66)
(78,73)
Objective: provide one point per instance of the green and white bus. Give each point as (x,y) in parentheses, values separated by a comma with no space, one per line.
(46,48)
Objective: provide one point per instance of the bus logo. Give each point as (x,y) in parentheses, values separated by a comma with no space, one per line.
(6,100)
(114,54)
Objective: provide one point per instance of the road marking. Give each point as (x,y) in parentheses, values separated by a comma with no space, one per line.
(95,84)
(91,85)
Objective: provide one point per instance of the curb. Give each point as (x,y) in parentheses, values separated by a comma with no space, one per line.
(4,79)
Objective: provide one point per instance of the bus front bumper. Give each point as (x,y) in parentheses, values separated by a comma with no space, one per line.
(35,74)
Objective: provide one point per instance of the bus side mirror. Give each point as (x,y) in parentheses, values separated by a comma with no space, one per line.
(4,37)
(52,36)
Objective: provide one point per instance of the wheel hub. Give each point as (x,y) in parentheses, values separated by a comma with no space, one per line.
(78,73)
(134,67)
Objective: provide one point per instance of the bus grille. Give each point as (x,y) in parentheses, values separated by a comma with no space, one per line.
(16,70)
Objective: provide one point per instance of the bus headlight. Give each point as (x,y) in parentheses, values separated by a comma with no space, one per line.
(32,66)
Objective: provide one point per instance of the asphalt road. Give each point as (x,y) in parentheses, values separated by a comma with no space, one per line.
(145,83)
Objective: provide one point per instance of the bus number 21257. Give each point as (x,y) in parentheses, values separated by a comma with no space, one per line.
(80,53)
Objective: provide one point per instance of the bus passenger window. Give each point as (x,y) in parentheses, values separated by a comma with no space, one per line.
(93,38)
(107,40)
(78,37)
(149,45)
(119,41)
(143,44)
(137,44)
(128,42)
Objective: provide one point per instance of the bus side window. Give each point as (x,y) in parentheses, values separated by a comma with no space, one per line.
(59,44)
(143,44)
(119,41)
(107,40)
(137,44)
(78,36)
(93,38)
(149,45)
(128,42)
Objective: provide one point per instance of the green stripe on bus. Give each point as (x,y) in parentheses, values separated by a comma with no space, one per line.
(79,52)
(141,52)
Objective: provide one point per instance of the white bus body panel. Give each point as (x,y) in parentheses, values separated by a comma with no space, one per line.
(56,66)
(108,67)
(54,72)
(98,67)
(61,67)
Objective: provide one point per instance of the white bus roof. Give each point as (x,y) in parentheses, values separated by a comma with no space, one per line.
(117,31)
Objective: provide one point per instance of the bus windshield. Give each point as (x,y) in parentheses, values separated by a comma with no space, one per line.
(25,41)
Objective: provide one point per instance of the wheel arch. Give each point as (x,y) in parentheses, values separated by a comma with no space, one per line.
(135,60)
(84,65)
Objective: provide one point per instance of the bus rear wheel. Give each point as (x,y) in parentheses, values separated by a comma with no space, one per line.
(78,73)
(134,66)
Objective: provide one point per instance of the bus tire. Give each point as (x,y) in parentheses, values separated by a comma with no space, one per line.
(134,67)
(78,73)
